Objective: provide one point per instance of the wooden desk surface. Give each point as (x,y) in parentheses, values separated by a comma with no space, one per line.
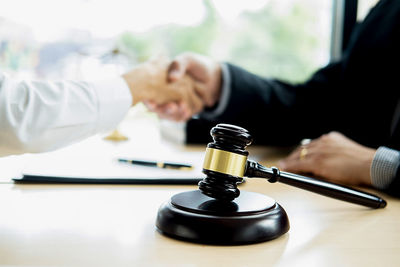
(114,225)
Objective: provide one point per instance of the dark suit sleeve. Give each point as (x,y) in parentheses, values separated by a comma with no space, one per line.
(276,112)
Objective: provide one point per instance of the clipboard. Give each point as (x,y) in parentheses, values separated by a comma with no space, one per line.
(105,169)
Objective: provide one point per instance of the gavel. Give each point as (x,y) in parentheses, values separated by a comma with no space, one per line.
(226,163)
(218,213)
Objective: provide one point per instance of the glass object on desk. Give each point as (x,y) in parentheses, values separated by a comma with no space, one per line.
(116,136)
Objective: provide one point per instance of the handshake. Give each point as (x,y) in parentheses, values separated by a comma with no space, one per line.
(176,89)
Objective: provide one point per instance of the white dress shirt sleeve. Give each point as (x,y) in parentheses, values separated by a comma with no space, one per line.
(38,116)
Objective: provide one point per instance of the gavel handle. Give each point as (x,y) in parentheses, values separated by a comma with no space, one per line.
(254,169)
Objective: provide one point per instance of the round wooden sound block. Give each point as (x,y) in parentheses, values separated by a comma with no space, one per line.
(195,217)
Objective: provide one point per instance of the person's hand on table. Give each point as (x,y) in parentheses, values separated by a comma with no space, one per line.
(206,74)
(148,82)
(333,157)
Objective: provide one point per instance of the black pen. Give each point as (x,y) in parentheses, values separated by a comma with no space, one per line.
(165,165)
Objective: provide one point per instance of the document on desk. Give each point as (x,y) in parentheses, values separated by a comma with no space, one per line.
(108,171)
(102,166)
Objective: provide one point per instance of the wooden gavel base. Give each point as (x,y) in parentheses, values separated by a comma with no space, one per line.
(195,217)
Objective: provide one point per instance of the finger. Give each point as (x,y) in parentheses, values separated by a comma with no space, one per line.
(297,163)
(311,145)
(157,108)
(196,102)
(170,112)
(190,103)
(200,90)
(168,109)
(294,165)
(177,68)
(177,111)
(151,105)
(183,111)
(295,154)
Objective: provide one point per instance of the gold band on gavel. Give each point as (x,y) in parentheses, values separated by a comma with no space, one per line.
(225,162)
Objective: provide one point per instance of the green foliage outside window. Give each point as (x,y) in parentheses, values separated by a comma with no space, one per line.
(267,42)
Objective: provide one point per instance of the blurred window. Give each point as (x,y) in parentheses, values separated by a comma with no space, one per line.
(88,39)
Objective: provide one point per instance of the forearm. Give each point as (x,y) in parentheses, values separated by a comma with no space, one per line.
(253,102)
(41,116)
(251,94)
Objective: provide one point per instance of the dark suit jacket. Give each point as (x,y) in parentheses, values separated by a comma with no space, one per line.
(356,96)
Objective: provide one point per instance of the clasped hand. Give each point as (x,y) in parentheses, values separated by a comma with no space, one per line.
(177,89)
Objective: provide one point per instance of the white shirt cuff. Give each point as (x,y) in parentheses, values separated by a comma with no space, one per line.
(114,100)
(384,167)
(225,93)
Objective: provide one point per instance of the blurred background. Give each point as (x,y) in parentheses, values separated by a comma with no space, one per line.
(96,39)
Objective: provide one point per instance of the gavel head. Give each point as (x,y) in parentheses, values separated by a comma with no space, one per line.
(225,162)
